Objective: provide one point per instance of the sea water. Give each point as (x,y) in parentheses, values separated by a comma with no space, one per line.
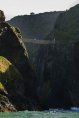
(43,114)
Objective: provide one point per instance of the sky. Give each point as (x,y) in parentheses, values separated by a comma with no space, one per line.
(13,8)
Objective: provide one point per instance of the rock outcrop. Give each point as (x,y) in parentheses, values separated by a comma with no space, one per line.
(5,104)
(11,86)
(13,48)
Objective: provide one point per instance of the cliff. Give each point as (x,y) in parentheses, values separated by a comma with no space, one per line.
(67,26)
(36,26)
(13,48)
(11,87)
(57,64)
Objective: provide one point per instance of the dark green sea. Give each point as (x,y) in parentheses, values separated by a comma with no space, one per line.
(45,114)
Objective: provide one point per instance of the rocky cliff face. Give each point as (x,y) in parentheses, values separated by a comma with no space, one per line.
(58,74)
(36,26)
(11,87)
(67,26)
(57,65)
(12,48)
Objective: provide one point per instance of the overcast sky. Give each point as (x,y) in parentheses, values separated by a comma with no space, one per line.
(21,7)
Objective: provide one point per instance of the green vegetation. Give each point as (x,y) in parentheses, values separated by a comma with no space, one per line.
(67,25)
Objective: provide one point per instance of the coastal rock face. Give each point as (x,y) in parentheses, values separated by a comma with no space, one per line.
(6,105)
(11,86)
(57,65)
(67,26)
(58,76)
(36,26)
(13,48)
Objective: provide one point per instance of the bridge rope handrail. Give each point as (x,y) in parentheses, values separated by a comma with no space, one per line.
(37,41)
